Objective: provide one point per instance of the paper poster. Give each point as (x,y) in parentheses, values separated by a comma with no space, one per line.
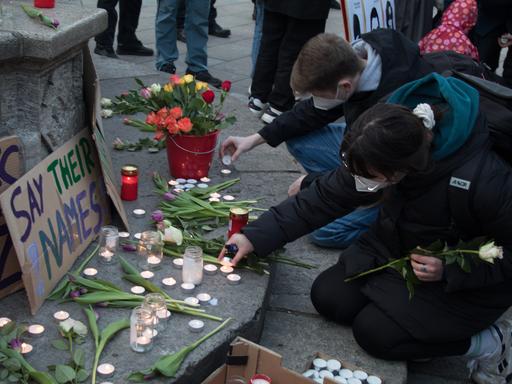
(54,212)
(11,169)
(354,18)
(388,12)
(373,15)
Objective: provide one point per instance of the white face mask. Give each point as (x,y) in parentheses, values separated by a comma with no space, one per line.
(326,104)
(368,185)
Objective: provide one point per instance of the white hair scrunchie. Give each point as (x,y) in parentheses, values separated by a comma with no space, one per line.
(426,114)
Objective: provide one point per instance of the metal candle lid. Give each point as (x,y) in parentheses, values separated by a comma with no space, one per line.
(195,325)
(373,380)
(129,170)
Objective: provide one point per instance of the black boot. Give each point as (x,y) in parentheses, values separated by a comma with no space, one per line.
(215,29)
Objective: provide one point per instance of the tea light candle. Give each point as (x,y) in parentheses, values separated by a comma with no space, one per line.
(333,365)
(353,380)
(61,315)
(187,287)
(227,261)
(361,375)
(325,373)
(26,348)
(137,289)
(225,172)
(345,373)
(228,197)
(191,301)
(191,181)
(143,340)
(210,269)
(260,379)
(137,235)
(4,321)
(172,183)
(106,369)
(215,195)
(107,254)
(226,159)
(195,325)
(205,179)
(189,186)
(373,380)
(319,364)
(203,297)
(147,274)
(226,269)
(35,330)
(139,212)
(169,282)
(163,314)
(181,181)
(124,237)
(214,200)
(202,185)
(178,190)
(177,263)
(234,279)
(153,260)
(90,272)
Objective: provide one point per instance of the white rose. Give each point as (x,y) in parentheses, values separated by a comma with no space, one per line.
(488,252)
(105,103)
(155,88)
(173,235)
(79,328)
(67,325)
(106,113)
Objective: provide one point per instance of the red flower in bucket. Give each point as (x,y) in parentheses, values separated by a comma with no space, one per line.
(208,96)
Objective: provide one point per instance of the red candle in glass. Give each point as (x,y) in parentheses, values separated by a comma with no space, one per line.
(44,3)
(129,182)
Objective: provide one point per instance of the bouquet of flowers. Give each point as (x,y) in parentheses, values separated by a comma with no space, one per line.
(183,105)
(464,254)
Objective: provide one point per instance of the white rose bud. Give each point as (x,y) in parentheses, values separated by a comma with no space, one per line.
(66,325)
(105,103)
(173,235)
(488,252)
(155,88)
(79,328)
(106,113)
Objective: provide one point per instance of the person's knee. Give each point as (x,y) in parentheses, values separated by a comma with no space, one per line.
(328,240)
(369,336)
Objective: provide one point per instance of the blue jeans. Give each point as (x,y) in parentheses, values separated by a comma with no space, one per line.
(196,30)
(319,152)
(258,31)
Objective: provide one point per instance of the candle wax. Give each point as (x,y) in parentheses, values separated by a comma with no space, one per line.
(61,315)
(153,260)
(226,269)
(35,329)
(26,348)
(143,340)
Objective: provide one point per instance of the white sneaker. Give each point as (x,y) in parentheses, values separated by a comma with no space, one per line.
(496,367)
(256,106)
(270,115)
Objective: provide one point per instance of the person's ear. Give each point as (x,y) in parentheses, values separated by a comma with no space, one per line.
(346,87)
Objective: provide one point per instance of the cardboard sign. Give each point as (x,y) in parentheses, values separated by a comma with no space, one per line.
(362,16)
(11,169)
(373,15)
(54,212)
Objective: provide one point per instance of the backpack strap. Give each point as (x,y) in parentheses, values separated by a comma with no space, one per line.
(460,192)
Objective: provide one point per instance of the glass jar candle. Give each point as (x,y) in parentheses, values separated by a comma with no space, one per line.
(109,239)
(141,329)
(129,182)
(155,302)
(192,271)
(151,248)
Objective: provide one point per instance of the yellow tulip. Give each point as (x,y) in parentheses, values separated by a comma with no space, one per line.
(168,87)
(201,85)
(188,78)
(182,81)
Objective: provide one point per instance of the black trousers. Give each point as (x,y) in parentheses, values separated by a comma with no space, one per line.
(281,42)
(129,11)
(374,331)
(489,51)
(180,22)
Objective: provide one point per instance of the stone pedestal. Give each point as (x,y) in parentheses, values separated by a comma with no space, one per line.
(41,76)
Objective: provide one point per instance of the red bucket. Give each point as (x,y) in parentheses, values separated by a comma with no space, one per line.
(190,157)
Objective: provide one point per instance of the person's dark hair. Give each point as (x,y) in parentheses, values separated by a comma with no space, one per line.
(324,60)
(387,138)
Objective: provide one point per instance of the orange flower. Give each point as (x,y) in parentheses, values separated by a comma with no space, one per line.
(185,125)
(173,128)
(152,118)
(159,135)
(163,112)
(174,79)
(176,112)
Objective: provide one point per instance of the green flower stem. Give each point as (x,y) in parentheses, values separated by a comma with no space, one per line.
(390,264)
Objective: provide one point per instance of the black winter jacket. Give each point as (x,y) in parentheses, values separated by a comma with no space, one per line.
(300,9)
(401,63)
(416,212)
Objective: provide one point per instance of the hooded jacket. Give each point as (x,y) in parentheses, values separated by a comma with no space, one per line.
(416,212)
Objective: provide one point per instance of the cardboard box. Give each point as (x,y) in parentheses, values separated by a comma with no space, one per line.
(246,358)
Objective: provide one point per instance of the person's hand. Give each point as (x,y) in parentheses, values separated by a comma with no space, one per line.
(236,145)
(244,247)
(295,186)
(427,268)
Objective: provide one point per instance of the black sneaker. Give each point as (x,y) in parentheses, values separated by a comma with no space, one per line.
(105,51)
(270,114)
(181,35)
(168,67)
(215,29)
(135,50)
(257,106)
(206,77)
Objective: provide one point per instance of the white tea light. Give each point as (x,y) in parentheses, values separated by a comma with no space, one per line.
(139,212)
(169,282)
(227,261)
(153,260)
(191,300)
(107,254)
(203,297)
(124,235)
(189,186)
(325,373)
(178,263)
(333,365)
(90,272)
(228,197)
(361,375)
(191,181)
(181,181)
(61,315)
(137,289)
(172,183)
(137,235)
(147,274)
(202,185)
(345,373)
(210,269)
(4,321)
(178,190)
(234,279)
(205,179)
(319,364)
(214,200)
(373,380)
(143,340)
(26,348)
(196,325)
(106,369)
(35,330)
(163,314)
(215,195)
(187,287)
(226,269)
(353,380)
(225,172)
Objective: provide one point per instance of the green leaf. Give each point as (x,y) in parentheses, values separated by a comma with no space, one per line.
(8,328)
(82,375)
(110,331)
(12,364)
(92,284)
(79,357)
(137,377)
(64,373)
(14,378)
(450,259)
(42,377)
(93,325)
(3,374)
(60,345)
(127,267)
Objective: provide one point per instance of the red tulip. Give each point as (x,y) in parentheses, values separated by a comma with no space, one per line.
(208,96)
(226,85)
